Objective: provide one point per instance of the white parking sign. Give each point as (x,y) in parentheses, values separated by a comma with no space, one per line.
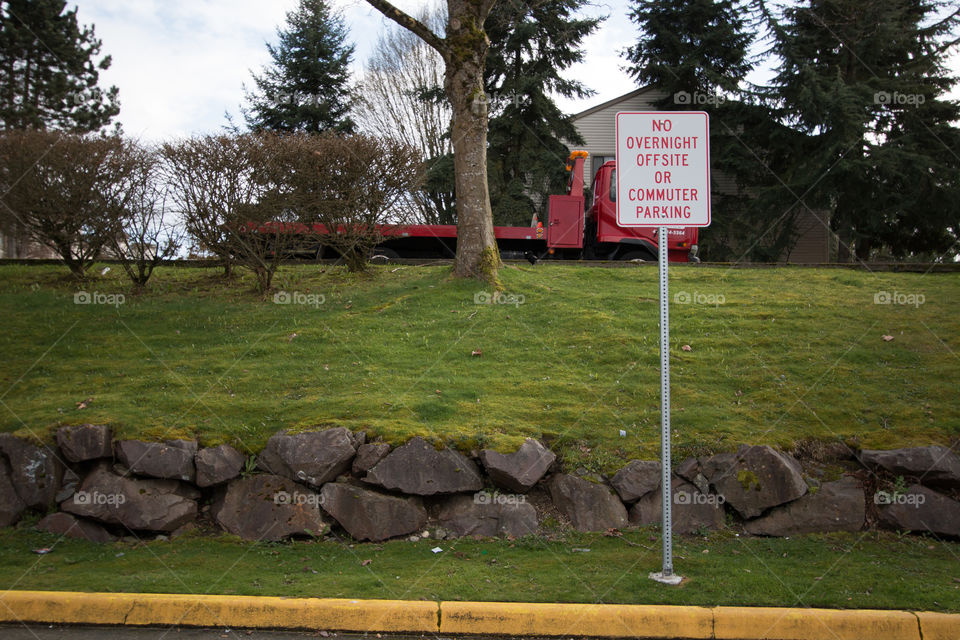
(663,169)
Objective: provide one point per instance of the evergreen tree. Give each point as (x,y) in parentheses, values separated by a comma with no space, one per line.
(696,53)
(50,69)
(531,43)
(692,50)
(307,86)
(865,84)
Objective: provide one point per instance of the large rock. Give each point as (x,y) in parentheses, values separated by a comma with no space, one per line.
(170,461)
(691,471)
(269,507)
(637,479)
(368,455)
(755,478)
(370,515)
(835,506)
(417,468)
(520,470)
(138,505)
(919,509)
(690,509)
(216,465)
(36,472)
(315,457)
(64,524)
(931,466)
(85,442)
(68,485)
(588,506)
(11,506)
(488,515)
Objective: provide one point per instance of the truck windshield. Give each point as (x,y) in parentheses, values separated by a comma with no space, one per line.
(613,186)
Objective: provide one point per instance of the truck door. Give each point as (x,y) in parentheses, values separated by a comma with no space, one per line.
(565,230)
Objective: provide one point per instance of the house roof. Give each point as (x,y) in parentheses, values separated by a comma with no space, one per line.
(614,101)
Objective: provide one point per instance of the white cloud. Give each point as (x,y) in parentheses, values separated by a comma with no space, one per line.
(180,64)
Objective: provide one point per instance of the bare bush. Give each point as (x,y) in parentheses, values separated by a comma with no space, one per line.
(67,191)
(349,187)
(235,194)
(208,181)
(257,198)
(145,238)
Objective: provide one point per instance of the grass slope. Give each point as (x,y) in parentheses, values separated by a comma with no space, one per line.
(777,356)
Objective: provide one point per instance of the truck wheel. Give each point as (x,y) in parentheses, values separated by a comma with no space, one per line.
(641,256)
(383,255)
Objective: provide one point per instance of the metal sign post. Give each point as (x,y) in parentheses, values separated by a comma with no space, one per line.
(663,180)
(666,575)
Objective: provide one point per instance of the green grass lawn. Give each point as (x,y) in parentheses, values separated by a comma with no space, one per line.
(863,570)
(776,356)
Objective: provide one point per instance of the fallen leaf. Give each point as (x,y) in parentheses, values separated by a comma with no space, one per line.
(347,306)
(365,563)
(887,338)
(83,404)
(476,352)
(686,347)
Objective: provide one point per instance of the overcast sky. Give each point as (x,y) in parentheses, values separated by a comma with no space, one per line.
(181,64)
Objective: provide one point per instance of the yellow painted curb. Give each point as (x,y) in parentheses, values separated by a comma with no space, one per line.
(218,611)
(737,623)
(597,620)
(939,626)
(475,618)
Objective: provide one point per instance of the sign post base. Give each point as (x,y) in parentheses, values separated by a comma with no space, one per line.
(657,576)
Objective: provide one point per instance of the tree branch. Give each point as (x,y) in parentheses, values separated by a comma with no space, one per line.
(409,22)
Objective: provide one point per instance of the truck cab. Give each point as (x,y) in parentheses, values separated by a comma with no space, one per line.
(605,238)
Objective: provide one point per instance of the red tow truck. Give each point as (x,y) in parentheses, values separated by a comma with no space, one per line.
(572,231)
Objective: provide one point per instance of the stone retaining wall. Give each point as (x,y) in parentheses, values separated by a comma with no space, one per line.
(312,483)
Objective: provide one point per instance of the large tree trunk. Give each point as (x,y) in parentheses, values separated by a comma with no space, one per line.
(477,254)
(464,49)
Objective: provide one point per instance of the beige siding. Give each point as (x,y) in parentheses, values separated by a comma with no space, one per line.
(598,125)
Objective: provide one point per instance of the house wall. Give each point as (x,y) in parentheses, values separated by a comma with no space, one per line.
(597,126)
(813,244)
